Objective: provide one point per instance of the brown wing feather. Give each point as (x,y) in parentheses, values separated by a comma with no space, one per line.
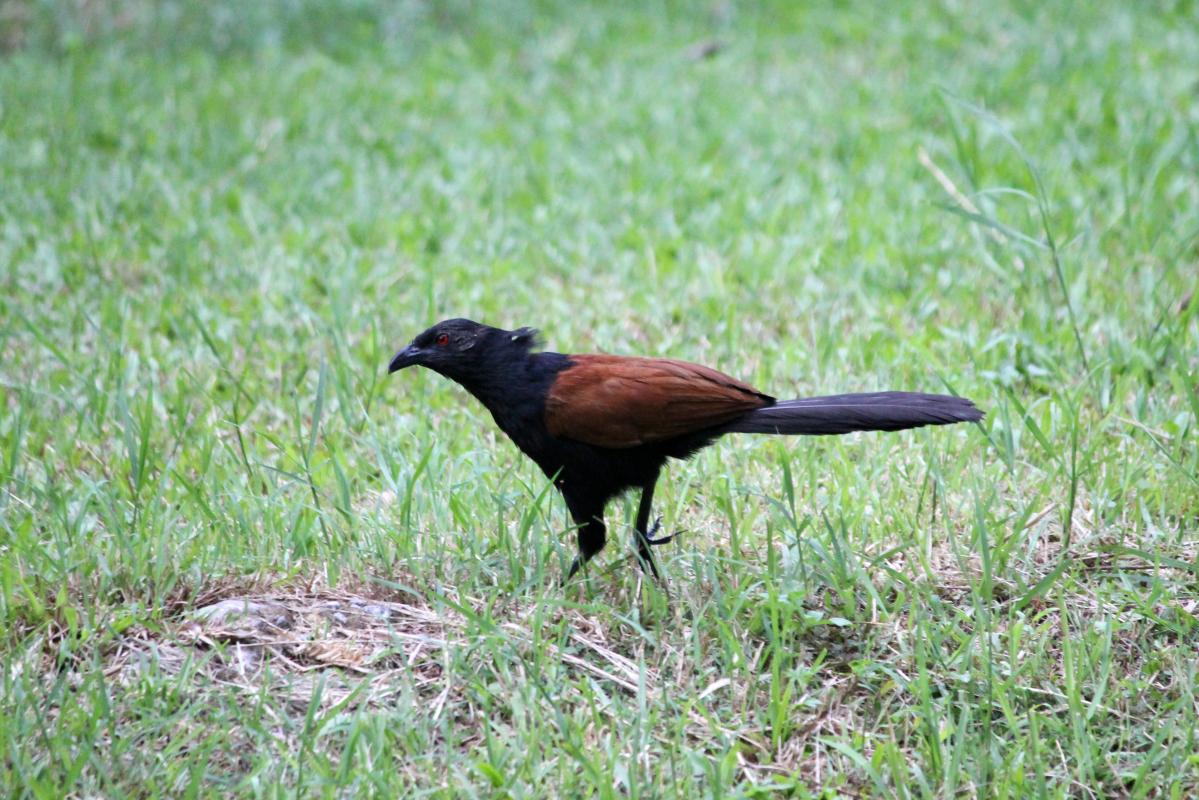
(621,401)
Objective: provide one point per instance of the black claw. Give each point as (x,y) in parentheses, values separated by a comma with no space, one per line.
(649,535)
(646,560)
(644,540)
(661,539)
(574,567)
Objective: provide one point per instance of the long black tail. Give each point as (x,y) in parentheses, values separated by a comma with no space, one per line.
(845,413)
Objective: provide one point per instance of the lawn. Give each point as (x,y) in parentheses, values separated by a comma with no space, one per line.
(237,558)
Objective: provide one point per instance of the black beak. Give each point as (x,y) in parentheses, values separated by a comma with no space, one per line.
(405,358)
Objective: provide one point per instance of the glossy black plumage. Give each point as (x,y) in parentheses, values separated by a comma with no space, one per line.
(599,425)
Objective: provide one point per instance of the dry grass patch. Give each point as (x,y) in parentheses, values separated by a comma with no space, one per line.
(359,641)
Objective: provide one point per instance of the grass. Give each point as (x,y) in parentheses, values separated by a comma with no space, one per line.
(217,224)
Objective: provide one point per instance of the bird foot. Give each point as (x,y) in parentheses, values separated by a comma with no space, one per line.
(649,535)
(574,567)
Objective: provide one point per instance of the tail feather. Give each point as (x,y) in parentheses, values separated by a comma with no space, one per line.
(845,413)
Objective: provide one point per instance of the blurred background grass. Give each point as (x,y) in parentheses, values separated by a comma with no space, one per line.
(218,220)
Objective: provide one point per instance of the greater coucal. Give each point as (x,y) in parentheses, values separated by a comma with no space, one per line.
(599,424)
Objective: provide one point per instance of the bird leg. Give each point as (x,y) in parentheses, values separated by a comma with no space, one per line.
(643,534)
(591,536)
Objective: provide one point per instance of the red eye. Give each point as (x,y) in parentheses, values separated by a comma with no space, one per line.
(443,340)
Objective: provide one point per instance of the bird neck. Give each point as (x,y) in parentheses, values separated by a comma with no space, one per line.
(513,386)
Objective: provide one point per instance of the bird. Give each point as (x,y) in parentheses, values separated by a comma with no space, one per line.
(599,425)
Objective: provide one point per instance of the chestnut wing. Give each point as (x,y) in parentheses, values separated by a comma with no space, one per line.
(620,401)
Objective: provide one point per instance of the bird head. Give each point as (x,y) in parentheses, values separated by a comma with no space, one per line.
(454,347)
